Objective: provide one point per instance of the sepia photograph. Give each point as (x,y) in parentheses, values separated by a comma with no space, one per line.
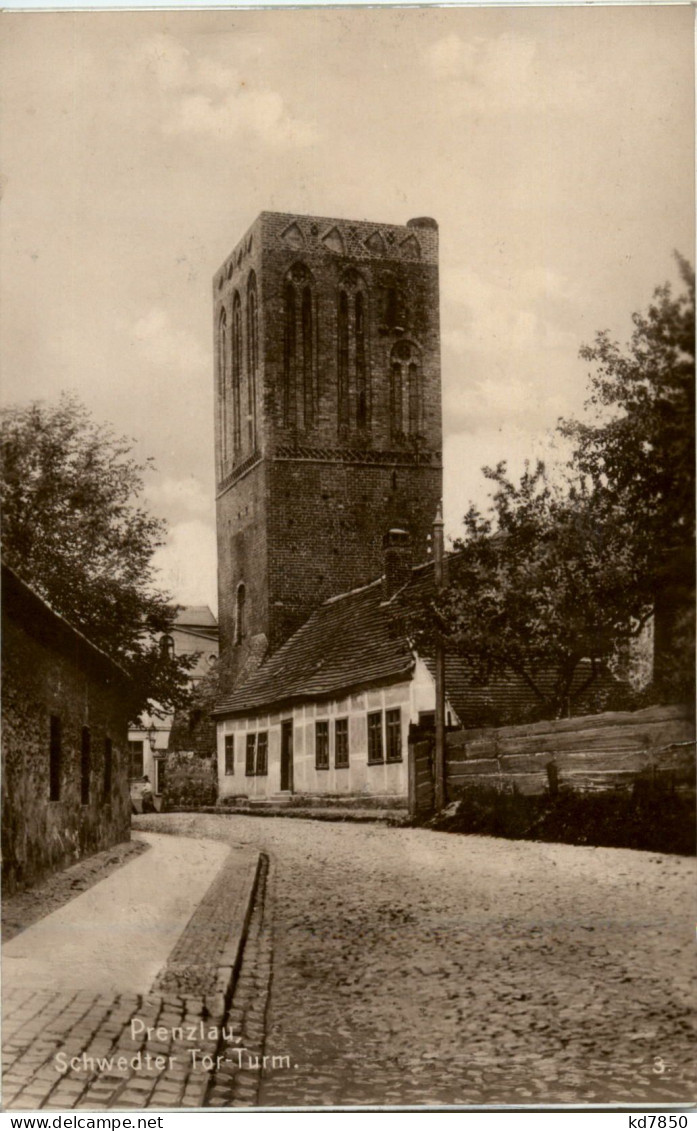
(348,560)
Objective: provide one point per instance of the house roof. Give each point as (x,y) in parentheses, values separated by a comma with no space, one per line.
(195,616)
(25,606)
(349,641)
(358,639)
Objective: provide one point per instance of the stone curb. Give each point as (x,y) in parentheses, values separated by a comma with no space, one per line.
(358,816)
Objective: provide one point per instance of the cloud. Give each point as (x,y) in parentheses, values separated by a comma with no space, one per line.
(202,96)
(501,73)
(188,495)
(163,344)
(187,565)
(508,354)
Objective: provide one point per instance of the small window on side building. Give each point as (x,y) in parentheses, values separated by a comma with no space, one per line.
(229,753)
(393,726)
(108,766)
(85,765)
(341,743)
(250,767)
(262,752)
(375,753)
(322,745)
(55,759)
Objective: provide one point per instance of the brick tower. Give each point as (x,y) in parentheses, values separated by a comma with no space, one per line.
(328,415)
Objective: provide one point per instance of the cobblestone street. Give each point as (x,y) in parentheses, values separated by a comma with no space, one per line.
(410,967)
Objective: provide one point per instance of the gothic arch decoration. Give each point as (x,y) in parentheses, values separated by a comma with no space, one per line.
(334,241)
(406,390)
(252,359)
(411,247)
(236,375)
(223,390)
(293,237)
(299,389)
(353,369)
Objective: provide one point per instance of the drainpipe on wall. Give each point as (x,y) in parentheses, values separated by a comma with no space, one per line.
(440,581)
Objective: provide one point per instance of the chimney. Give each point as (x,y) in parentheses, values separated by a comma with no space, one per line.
(396,546)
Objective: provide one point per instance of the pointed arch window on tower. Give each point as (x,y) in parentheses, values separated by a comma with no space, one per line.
(307,366)
(252,359)
(299,382)
(237,376)
(343,362)
(223,391)
(289,356)
(361,366)
(406,393)
(240,613)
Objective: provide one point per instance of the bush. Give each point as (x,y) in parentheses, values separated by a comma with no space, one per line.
(189,781)
(652,816)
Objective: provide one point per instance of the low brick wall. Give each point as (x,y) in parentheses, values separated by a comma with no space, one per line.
(587,754)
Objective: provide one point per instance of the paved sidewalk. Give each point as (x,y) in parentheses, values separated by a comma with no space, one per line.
(117,935)
(128,1009)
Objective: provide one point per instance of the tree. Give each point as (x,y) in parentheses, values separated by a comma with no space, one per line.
(74,530)
(540,584)
(556,575)
(637,451)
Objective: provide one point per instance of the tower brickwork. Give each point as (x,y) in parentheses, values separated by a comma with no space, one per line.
(328,415)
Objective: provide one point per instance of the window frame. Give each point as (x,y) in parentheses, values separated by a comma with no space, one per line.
(85,765)
(262,763)
(372,759)
(345,760)
(250,752)
(322,731)
(392,724)
(229,754)
(108,778)
(55,756)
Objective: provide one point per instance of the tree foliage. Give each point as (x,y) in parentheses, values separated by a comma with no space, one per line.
(74,530)
(542,585)
(637,450)
(555,575)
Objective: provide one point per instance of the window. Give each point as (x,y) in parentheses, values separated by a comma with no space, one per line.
(223,391)
(55,758)
(343,361)
(252,359)
(160,774)
(393,726)
(361,368)
(341,743)
(375,737)
(229,753)
(249,767)
(108,764)
(262,752)
(236,376)
(406,393)
(85,765)
(289,357)
(322,745)
(135,753)
(240,626)
(166,647)
(307,368)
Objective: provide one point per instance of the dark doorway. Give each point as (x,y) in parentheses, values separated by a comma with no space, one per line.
(287,755)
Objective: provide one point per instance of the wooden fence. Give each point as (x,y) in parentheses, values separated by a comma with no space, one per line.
(594,752)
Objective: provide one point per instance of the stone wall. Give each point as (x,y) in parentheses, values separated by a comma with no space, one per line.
(50,670)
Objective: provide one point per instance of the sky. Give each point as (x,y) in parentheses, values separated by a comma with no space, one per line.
(554,146)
